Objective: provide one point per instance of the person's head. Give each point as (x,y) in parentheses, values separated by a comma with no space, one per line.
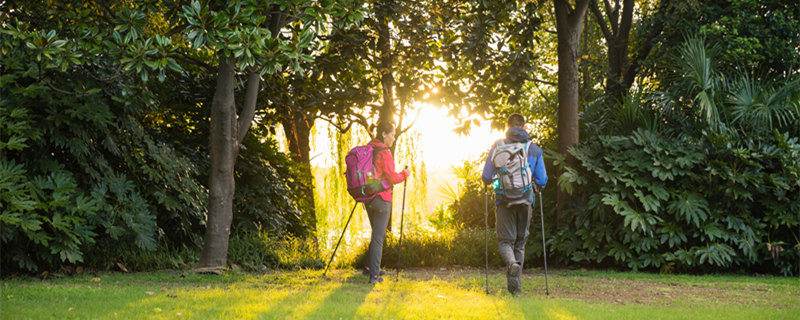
(516,120)
(385,133)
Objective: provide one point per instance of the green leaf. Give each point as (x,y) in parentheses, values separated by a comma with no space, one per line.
(691,206)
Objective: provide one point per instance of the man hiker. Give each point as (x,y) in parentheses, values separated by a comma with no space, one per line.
(515,168)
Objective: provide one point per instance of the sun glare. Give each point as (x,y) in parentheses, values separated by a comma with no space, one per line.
(442,147)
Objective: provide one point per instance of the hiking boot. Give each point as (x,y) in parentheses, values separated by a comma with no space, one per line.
(366,272)
(513,281)
(373,279)
(513,270)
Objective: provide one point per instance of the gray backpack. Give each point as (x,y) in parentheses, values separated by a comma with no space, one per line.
(510,161)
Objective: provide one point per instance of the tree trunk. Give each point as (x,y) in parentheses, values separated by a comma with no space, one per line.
(226,134)
(654,26)
(223,148)
(297,127)
(387,78)
(616,30)
(388,109)
(569,22)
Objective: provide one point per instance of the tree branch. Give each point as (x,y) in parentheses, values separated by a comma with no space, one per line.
(647,44)
(612,15)
(404,130)
(249,106)
(600,21)
(187,58)
(74,94)
(545,82)
(175,30)
(627,18)
(359,119)
(543,95)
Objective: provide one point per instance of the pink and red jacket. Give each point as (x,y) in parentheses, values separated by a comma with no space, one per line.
(384,167)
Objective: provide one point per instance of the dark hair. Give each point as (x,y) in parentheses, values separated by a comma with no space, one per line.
(381,128)
(516,120)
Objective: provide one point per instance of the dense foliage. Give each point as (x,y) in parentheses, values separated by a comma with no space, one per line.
(96,158)
(755,35)
(78,168)
(703,177)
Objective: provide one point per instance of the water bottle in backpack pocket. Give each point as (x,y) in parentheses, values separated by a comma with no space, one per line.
(510,161)
(363,182)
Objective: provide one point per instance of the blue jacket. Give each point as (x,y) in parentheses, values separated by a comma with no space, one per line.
(535,159)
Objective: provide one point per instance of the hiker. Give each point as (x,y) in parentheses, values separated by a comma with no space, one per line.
(379,209)
(514,192)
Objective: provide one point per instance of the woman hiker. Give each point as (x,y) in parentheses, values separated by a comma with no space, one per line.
(379,209)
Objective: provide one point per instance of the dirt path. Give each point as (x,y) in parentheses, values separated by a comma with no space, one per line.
(647,290)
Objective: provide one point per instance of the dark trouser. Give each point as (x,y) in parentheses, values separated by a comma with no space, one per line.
(512,232)
(379,212)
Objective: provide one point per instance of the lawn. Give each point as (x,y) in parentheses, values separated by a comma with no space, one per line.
(453,293)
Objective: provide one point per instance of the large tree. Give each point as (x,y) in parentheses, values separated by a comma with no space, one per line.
(616,23)
(247,39)
(569,21)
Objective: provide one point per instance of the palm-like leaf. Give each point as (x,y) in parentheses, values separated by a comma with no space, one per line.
(699,71)
(761,107)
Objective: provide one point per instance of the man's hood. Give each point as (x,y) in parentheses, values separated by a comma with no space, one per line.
(516,134)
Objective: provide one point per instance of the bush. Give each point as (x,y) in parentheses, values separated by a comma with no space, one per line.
(65,187)
(705,178)
(268,196)
(258,251)
(459,247)
(467,203)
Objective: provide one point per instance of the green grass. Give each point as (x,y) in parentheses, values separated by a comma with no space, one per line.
(418,294)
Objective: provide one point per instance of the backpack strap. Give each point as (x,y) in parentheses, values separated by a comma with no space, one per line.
(525,150)
(375,151)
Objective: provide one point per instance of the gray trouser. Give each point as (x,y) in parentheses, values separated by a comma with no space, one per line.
(512,232)
(379,212)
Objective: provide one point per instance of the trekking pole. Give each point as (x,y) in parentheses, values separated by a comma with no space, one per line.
(486,232)
(402,209)
(340,239)
(544,249)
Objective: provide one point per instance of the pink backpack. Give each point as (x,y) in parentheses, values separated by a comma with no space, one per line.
(363,182)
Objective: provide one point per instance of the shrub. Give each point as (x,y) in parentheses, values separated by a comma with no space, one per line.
(467,203)
(258,251)
(705,178)
(459,247)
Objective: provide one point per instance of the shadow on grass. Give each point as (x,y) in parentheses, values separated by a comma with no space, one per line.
(260,298)
(344,301)
(204,303)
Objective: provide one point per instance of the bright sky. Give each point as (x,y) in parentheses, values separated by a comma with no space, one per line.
(442,147)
